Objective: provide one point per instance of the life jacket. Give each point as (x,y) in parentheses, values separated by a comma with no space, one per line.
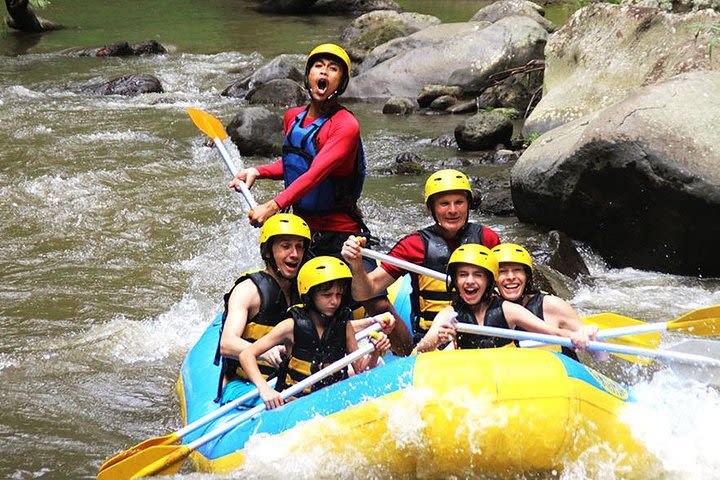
(429,295)
(535,305)
(310,353)
(494,317)
(273,309)
(333,194)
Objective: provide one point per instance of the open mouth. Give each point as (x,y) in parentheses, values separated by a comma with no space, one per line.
(322,85)
(470,291)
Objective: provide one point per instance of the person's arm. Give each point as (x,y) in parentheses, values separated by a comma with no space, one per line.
(281,334)
(563,315)
(441,332)
(379,339)
(364,285)
(518,316)
(244,302)
(490,238)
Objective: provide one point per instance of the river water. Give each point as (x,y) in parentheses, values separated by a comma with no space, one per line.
(119,236)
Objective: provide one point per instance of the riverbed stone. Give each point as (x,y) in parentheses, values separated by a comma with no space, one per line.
(639,181)
(399,106)
(605,52)
(483,131)
(280,67)
(375,28)
(122,49)
(278,92)
(442,103)
(429,93)
(256,131)
(507,8)
(463,106)
(564,256)
(463,54)
(128,85)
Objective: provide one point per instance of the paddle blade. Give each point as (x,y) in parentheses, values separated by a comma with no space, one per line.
(606,321)
(160,459)
(704,322)
(209,125)
(150,442)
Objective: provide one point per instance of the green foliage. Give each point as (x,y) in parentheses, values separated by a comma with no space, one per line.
(713,30)
(530,139)
(39,4)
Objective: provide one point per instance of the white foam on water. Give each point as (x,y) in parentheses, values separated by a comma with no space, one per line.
(20,92)
(678,419)
(7,360)
(651,296)
(290,455)
(116,136)
(30,132)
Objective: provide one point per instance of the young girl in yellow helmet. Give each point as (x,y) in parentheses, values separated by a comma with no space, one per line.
(317,333)
(472,270)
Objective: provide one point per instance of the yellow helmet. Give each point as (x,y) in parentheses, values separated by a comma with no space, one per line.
(446,181)
(475,254)
(284,224)
(320,270)
(511,252)
(337,52)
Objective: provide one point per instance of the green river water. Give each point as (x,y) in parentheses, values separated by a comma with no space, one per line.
(119,236)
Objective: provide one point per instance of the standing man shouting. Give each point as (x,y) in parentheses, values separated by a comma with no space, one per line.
(323,166)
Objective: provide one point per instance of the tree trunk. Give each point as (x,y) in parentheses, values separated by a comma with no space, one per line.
(24,19)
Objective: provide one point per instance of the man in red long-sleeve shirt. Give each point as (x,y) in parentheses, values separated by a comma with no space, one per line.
(323,166)
(448,197)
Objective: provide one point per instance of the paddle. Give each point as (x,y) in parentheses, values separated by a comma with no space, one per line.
(704,321)
(212,127)
(166,459)
(189,428)
(410,267)
(597,346)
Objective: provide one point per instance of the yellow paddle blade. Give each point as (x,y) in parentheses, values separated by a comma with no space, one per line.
(150,442)
(612,320)
(137,465)
(704,322)
(209,125)
(606,321)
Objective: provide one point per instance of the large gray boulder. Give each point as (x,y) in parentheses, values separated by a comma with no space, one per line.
(605,52)
(280,67)
(639,181)
(256,131)
(128,85)
(507,8)
(279,92)
(375,28)
(463,54)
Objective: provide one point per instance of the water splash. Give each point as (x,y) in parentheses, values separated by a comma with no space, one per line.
(678,419)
